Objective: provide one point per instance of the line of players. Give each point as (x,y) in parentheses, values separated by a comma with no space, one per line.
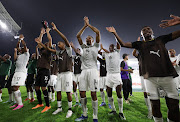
(150,50)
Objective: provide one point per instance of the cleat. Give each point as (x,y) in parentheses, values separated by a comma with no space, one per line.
(32,100)
(95,120)
(1,100)
(109,106)
(112,113)
(81,118)
(127,102)
(18,107)
(103,104)
(132,95)
(14,105)
(121,116)
(69,113)
(37,106)
(52,100)
(26,99)
(150,116)
(45,109)
(57,111)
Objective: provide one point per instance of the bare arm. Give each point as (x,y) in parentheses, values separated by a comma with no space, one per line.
(104,49)
(135,53)
(24,45)
(41,36)
(40,44)
(15,54)
(51,50)
(37,52)
(93,29)
(118,46)
(128,70)
(62,35)
(75,50)
(2,58)
(123,44)
(49,36)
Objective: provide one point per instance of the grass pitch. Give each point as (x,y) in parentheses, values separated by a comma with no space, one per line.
(135,112)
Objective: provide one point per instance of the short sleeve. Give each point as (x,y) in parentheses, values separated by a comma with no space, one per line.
(83,46)
(118,50)
(122,64)
(166,38)
(69,51)
(96,45)
(136,44)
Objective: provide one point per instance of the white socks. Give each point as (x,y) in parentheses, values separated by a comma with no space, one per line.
(28,95)
(111,102)
(18,97)
(120,103)
(11,97)
(0,95)
(103,96)
(32,94)
(84,107)
(148,104)
(50,95)
(53,95)
(76,97)
(70,104)
(95,109)
(156,119)
(59,104)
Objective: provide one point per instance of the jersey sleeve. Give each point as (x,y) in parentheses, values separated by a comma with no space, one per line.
(83,46)
(166,38)
(69,51)
(122,64)
(136,44)
(96,45)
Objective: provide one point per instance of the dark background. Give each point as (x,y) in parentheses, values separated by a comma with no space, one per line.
(127,16)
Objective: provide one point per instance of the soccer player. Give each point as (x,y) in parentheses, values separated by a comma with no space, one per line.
(77,72)
(160,74)
(5,65)
(146,98)
(113,77)
(32,71)
(53,77)
(102,79)
(125,78)
(20,74)
(64,78)
(43,69)
(175,62)
(89,74)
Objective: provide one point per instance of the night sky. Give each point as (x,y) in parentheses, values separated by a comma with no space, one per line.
(126,16)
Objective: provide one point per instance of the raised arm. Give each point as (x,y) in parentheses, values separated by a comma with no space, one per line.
(175,34)
(40,44)
(93,29)
(134,53)
(51,50)
(80,33)
(172,22)
(37,52)
(15,54)
(24,45)
(104,49)
(49,36)
(75,50)
(62,35)
(118,46)
(41,36)
(123,44)
(2,58)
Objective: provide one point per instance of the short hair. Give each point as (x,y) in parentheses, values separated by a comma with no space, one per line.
(91,37)
(111,45)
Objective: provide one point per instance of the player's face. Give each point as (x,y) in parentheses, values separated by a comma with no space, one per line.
(89,40)
(172,52)
(111,48)
(78,50)
(6,56)
(33,56)
(126,57)
(147,32)
(61,45)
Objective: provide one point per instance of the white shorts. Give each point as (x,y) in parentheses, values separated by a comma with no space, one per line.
(143,84)
(177,81)
(113,80)
(19,79)
(165,83)
(89,80)
(76,78)
(102,82)
(52,80)
(64,82)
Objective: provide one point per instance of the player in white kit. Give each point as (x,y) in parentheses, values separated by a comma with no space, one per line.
(89,75)
(20,71)
(114,78)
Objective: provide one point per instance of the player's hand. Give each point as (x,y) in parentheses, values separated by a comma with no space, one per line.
(37,40)
(48,30)
(139,38)
(43,31)
(101,46)
(53,26)
(71,43)
(54,46)
(111,29)
(130,70)
(167,23)
(15,49)
(86,20)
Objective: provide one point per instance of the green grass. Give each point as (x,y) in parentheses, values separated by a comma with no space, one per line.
(135,112)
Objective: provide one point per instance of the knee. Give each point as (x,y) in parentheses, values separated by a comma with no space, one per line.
(82,94)
(93,95)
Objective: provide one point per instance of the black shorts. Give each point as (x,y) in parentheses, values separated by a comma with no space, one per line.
(3,81)
(43,76)
(30,80)
(9,81)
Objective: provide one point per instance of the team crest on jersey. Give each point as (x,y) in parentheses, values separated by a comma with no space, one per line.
(155,53)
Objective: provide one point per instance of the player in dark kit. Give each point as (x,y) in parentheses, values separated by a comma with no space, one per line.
(161,73)
(77,72)
(64,79)
(5,65)
(32,71)
(43,69)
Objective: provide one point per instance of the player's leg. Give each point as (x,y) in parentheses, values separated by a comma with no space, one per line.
(32,93)
(69,97)
(101,86)
(125,90)
(38,93)
(18,98)
(111,101)
(75,93)
(49,92)
(53,93)
(46,98)
(59,103)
